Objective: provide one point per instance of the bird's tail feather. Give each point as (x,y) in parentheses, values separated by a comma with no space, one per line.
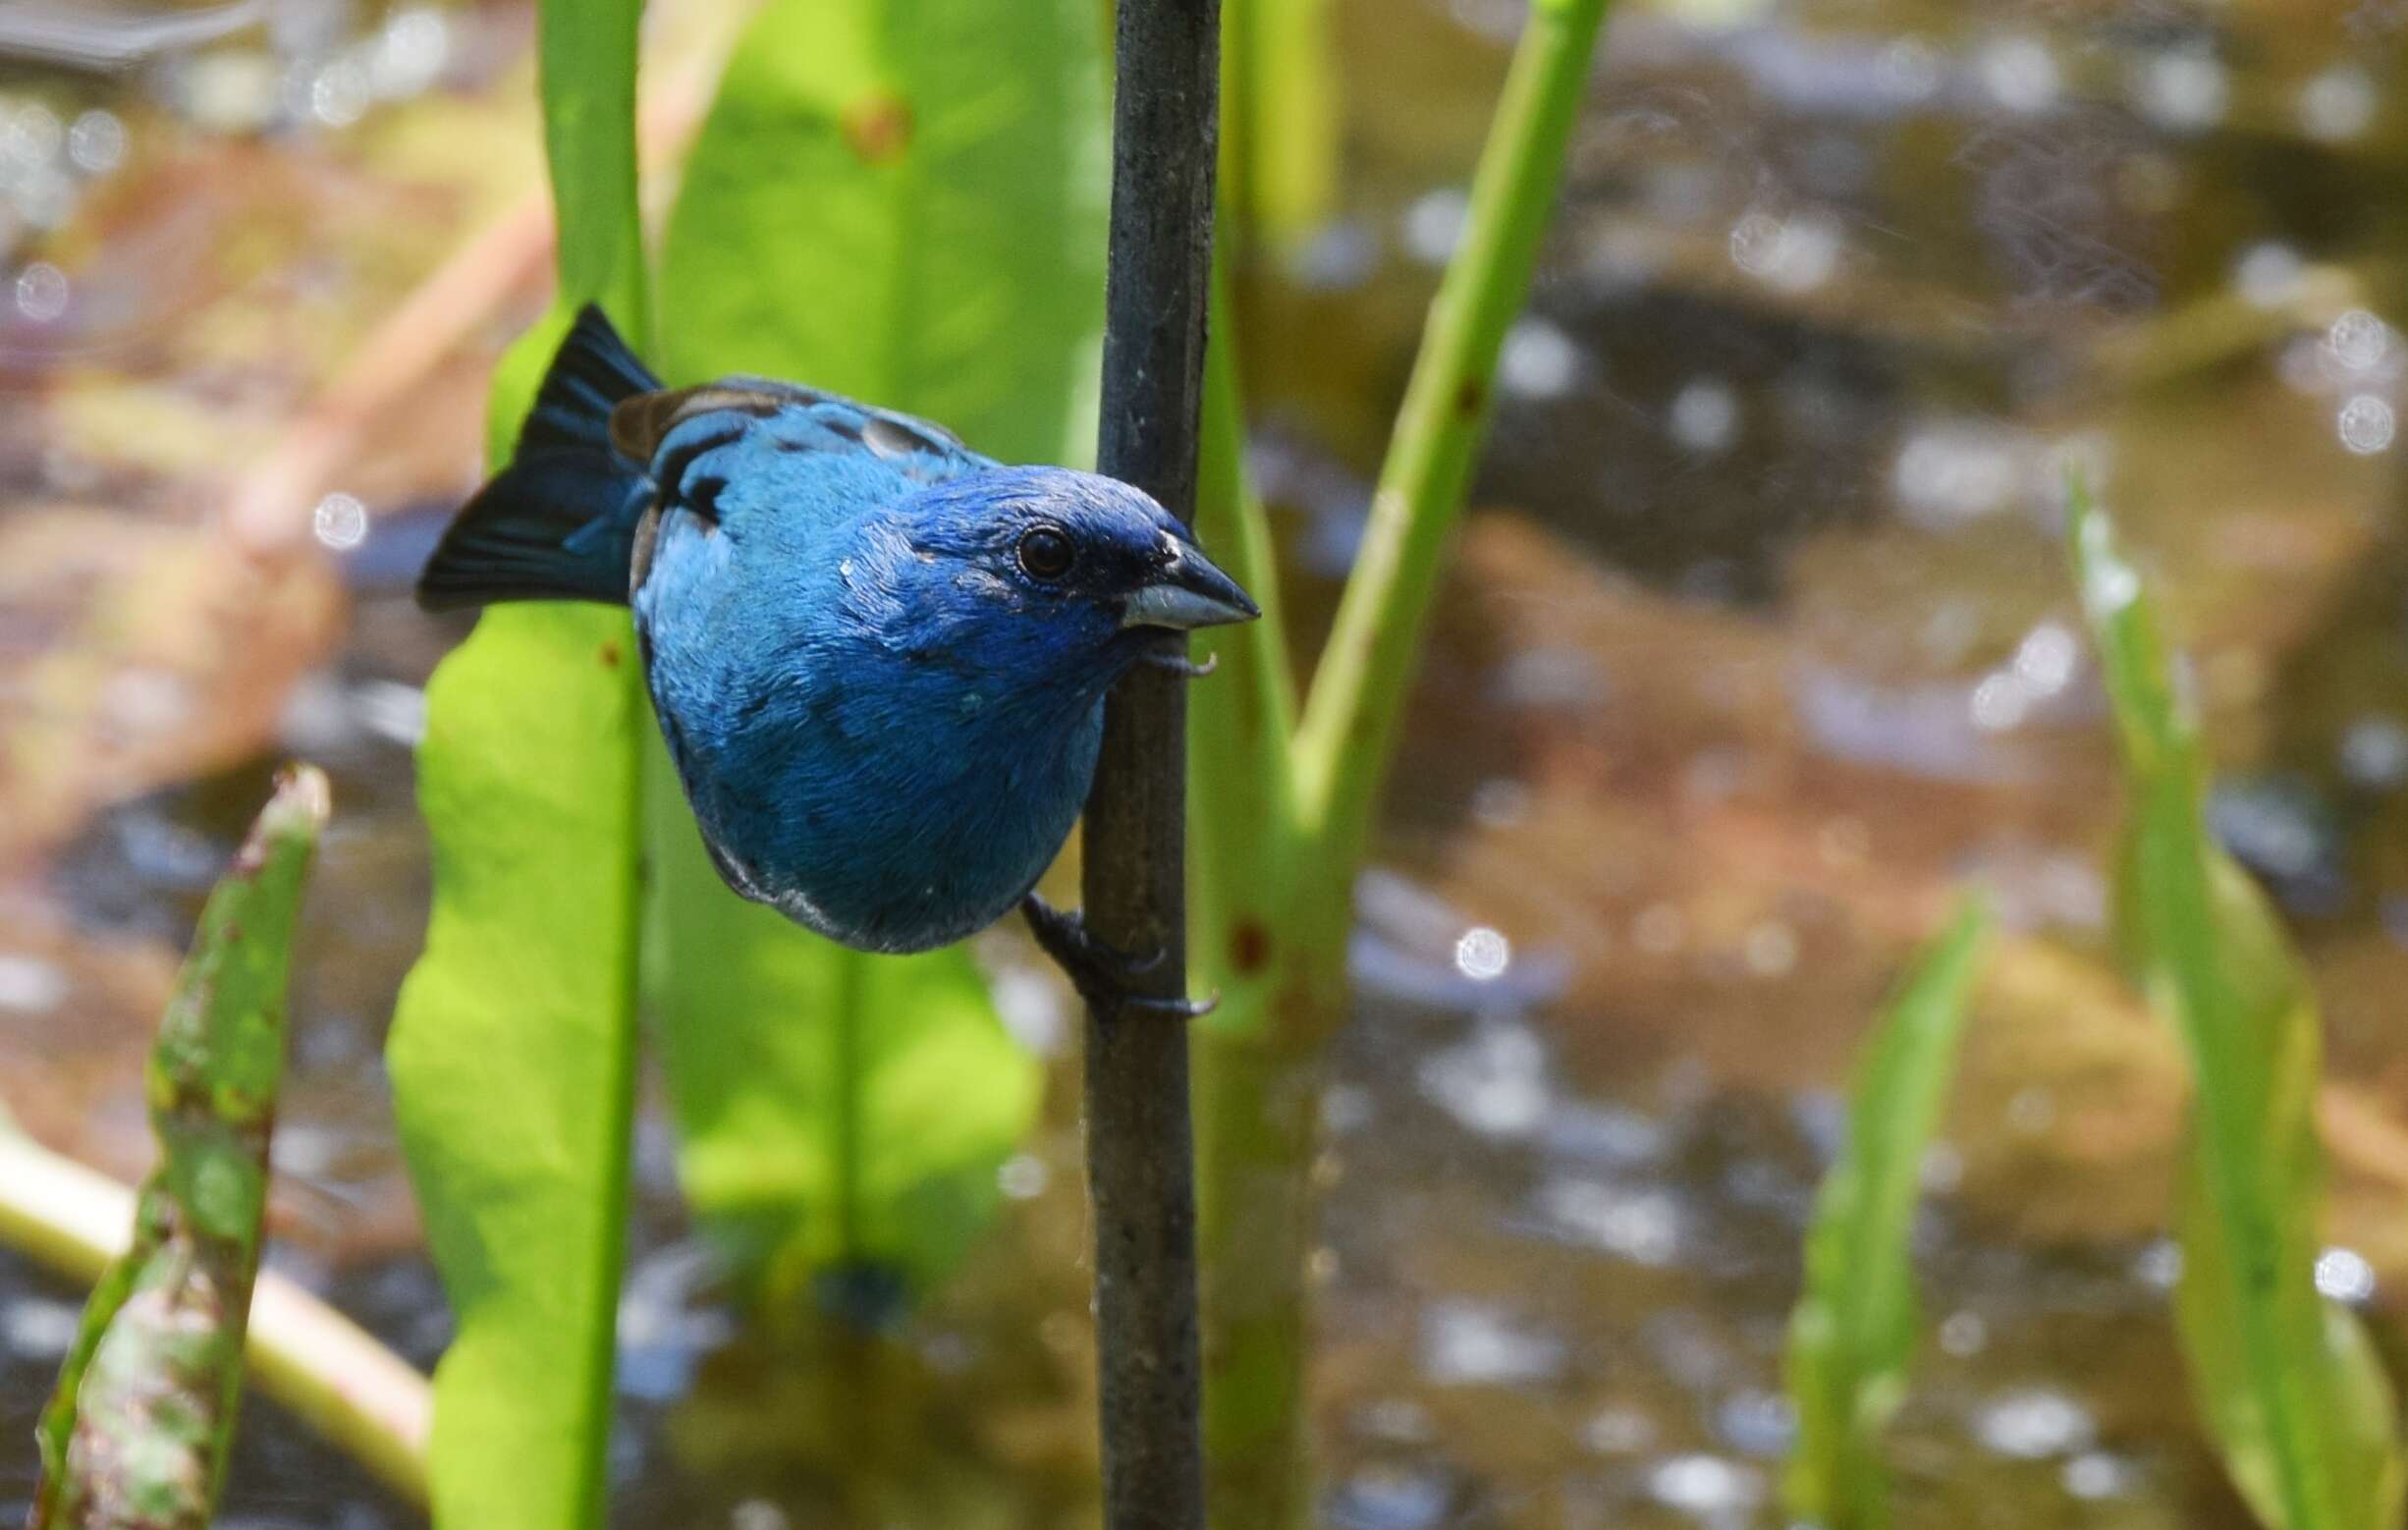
(559,522)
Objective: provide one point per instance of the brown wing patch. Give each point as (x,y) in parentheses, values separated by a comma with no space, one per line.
(638,424)
(647,535)
(896,438)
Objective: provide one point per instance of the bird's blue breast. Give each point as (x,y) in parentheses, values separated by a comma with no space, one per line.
(860,747)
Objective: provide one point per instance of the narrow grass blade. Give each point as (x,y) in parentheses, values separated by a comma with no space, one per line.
(2287,1380)
(136,1435)
(900,199)
(512,1052)
(1855,1328)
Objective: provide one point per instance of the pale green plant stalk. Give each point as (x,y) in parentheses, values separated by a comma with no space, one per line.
(1349,724)
(1283,808)
(1241,767)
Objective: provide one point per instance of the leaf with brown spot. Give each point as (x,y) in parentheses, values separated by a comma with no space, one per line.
(841,1110)
(879,128)
(138,1432)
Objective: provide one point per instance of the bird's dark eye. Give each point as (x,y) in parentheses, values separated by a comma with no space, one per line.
(1047,554)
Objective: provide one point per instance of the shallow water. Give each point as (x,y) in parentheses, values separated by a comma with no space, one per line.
(1758,643)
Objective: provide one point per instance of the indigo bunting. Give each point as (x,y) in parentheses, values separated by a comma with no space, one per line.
(879,658)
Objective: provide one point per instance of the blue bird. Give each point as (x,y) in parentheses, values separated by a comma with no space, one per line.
(879,658)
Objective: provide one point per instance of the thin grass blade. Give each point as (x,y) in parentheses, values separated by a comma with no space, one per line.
(1855,1328)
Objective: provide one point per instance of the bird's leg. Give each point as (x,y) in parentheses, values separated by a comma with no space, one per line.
(1102,973)
(1180,664)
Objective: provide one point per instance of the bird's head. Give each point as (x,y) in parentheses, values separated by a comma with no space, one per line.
(1059,571)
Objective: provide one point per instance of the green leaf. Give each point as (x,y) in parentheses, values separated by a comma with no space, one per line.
(138,1432)
(512,1052)
(900,199)
(903,200)
(1855,1328)
(2287,1381)
(838,1113)
(585,57)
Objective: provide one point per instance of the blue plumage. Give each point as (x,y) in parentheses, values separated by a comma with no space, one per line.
(878,657)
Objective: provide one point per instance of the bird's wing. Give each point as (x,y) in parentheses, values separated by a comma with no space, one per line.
(814,453)
(809,419)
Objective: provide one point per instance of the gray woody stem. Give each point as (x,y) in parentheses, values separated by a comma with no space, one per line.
(1140,1161)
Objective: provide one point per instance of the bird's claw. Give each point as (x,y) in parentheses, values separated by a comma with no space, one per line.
(1103,974)
(1180,664)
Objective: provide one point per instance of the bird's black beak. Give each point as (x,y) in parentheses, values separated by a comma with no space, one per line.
(1187,590)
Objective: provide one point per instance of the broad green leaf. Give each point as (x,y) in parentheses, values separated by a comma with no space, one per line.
(903,200)
(138,1432)
(840,1113)
(512,1052)
(2286,1380)
(1854,1328)
(585,60)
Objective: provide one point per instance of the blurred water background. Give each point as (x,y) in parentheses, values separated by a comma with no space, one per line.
(1758,641)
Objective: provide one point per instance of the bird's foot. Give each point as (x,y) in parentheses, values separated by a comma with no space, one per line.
(1180,664)
(1104,975)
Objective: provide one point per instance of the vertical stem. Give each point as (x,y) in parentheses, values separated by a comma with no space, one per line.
(1258,1117)
(1277,883)
(847,1030)
(1140,1171)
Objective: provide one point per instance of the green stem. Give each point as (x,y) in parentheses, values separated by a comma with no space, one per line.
(845,1024)
(1242,723)
(1350,716)
(1280,121)
(1258,1096)
(1281,829)
(345,1387)
(1230,517)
